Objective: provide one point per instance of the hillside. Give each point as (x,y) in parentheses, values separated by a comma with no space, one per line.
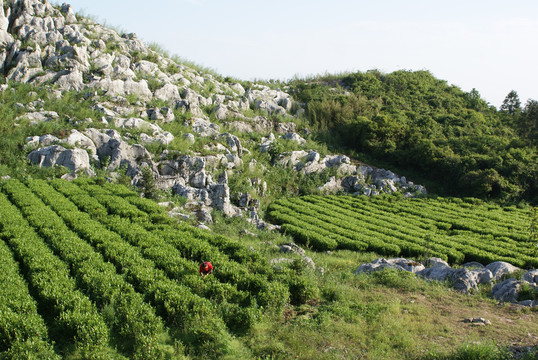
(122,168)
(413,121)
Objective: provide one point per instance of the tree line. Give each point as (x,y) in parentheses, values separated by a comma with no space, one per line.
(421,125)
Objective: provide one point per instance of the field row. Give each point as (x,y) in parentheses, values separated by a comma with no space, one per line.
(408,227)
(108,273)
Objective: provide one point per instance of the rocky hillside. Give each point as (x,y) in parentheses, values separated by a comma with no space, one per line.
(196,132)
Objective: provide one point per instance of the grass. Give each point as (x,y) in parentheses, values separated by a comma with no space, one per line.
(385,315)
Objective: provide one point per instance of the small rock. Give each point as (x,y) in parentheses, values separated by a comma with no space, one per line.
(292,248)
(247,233)
(309,262)
(500,268)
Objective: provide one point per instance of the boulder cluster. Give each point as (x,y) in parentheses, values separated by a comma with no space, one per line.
(136,91)
(467,278)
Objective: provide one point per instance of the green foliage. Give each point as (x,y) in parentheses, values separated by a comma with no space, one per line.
(533,229)
(412,121)
(148,183)
(455,230)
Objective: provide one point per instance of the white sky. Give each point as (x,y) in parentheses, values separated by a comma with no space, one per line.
(491,45)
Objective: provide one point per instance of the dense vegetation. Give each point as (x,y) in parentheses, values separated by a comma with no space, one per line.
(92,270)
(420,125)
(456,230)
(112,274)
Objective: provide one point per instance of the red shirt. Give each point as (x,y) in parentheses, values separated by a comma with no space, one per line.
(206,271)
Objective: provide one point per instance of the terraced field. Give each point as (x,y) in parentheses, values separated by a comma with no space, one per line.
(99,272)
(454,229)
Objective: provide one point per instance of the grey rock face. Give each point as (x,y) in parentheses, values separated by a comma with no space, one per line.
(168,92)
(110,146)
(531,276)
(56,155)
(438,272)
(233,143)
(292,248)
(500,268)
(378,264)
(507,290)
(294,137)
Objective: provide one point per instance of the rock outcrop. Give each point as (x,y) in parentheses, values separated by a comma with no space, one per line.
(465,279)
(136,93)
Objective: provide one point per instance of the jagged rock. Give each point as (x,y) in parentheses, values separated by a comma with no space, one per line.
(213,195)
(204,127)
(164,138)
(473,265)
(176,212)
(309,262)
(118,152)
(238,88)
(332,186)
(244,200)
(105,111)
(528,303)
(500,268)
(294,137)
(232,161)
(78,139)
(165,114)
(285,127)
(351,184)
(438,271)
(56,155)
(168,92)
(234,145)
(267,142)
(69,15)
(43,140)
(465,280)
(136,123)
(507,290)
(292,248)
(435,261)
(39,116)
(531,276)
(376,265)
(128,87)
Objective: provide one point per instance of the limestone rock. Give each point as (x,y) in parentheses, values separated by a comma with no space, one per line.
(398,264)
(56,155)
(507,290)
(500,268)
(291,136)
(233,143)
(292,248)
(531,276)
(168,92)
(204,127)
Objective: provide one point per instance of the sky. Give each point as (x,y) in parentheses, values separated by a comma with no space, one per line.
(490,45)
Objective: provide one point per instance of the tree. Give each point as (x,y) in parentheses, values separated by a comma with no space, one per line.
(511,103)
(148,183)
(530,120)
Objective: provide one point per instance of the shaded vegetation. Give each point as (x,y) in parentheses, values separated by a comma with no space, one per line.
(417,123)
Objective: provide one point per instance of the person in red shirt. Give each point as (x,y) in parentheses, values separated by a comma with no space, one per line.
(206,268)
